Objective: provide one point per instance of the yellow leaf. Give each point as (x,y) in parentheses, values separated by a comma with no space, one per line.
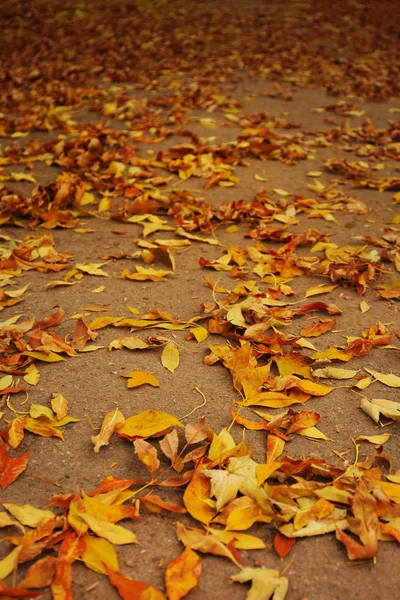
(99,289)
(109,531)
(64,421)
(59,405)
(182,574)
(306,344)
(59,283)
(200,333)
(191,236)
(232,229)
(16,431)
(32,375)
(170,357)
(28,515)
(319,289)
(335,373)
(37,411)
(265,583)
(104,204)
(386,378)
(5,382)
(363,383)
(373,439)
(99,551)
(74,518)
(243,541)
(45,357)
(364,306)
(331,354)
(263,472)
(240,476)
(281,192)
(376,406)
(203,542)
(313,433)
(137,378)
(7,521)
(147,423)
(87,198)
(275,446)
(92,268)
(17,293)
(221,443)
(112,421)
(42,427)
(197,498)
(9,563)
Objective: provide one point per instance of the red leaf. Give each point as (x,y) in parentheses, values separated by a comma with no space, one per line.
(283,545)
(18,593)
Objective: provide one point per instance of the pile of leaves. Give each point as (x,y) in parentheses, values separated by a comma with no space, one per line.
(114,103)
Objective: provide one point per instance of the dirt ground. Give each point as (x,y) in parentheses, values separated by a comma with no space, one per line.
(317,567)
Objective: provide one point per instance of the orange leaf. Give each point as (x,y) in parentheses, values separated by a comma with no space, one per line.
(129,589)
(303,420)
(147,455)
(16,431)
(40,574)
(169,445)
(275,447)
(158,505)
(197,498)
(10,468)
(182,574)
(72,548)
(318,328)
(111,483)
(283,545)
(61,585)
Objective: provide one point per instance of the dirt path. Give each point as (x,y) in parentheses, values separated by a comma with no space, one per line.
(138,140)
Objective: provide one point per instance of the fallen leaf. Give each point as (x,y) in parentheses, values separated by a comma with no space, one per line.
(10,468)
(59,406)
(377,406)
(170,357)
(27,514)
(195,539)
(98,554)
(282,544)
(334,373)
(318,328)
(147,424)
(130,589)
(182,574)
(265,583)
(109,531)
(386,378)
(373,439)
(138,378)
(112,421)
(147,455)
(364,306)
